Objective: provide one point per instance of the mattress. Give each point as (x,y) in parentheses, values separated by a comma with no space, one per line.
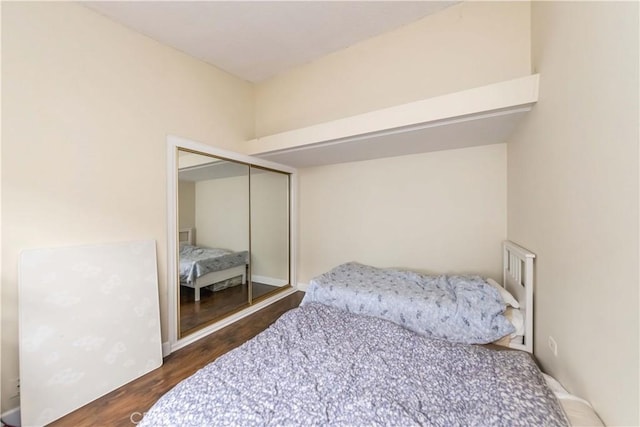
(196,261)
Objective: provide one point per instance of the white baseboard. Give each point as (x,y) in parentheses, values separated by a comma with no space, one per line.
(12,417)
(269,280)
(302,287)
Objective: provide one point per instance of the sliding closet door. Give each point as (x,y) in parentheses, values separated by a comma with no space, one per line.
(270,228)
(213,209)
(226,201)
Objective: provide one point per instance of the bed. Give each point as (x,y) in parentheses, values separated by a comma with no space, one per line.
(465,309)
(324,364)
(215,268)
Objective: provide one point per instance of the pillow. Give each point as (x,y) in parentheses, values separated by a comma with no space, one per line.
(505,294)
(460,309)
(516,318)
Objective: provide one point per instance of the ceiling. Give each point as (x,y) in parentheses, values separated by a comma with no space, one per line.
(256,40)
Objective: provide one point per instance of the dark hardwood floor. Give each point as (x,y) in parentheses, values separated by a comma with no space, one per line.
(126,405)
(214,306)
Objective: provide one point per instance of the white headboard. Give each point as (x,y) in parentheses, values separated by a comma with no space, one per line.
(517,278)
(185,236)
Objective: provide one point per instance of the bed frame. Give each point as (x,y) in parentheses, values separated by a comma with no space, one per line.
(517,278)
(186,235)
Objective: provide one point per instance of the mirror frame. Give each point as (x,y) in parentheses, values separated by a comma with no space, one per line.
(173,144)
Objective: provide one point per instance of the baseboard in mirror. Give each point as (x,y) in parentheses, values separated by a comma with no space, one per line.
(272,281)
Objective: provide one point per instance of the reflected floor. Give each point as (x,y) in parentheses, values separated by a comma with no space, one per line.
(214,306)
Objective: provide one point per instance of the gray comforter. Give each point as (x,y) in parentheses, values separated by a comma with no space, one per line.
(319,366)
(196,261)
(464,309)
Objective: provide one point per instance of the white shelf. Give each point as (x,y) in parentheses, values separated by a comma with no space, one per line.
(479,116)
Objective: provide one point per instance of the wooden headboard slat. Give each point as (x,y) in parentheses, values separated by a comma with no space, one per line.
(185,236)
(517,278)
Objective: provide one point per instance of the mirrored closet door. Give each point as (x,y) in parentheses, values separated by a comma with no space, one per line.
(233,237)
(269,230)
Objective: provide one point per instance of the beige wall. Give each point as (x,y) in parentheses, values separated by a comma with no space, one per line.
(464,46)
(186,204)
(439,212)
(573,199)
(87,105)
(222,213)
(270,226)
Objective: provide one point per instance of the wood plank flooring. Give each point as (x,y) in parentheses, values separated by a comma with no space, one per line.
(125,405)
(214,306)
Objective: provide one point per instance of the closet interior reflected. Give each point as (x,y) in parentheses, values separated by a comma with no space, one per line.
(233,234)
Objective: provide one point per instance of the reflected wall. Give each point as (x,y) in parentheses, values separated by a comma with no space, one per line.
(269,226)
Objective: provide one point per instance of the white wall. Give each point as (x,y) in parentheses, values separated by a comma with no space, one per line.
(86,108)
(467,45)
(573,199)
(438,212)
(222,213)
(186,204)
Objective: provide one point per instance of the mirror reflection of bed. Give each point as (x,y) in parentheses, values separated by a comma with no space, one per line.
(233,231)
(215,305)
(213,283)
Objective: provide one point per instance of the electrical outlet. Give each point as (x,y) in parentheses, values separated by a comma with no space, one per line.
(553,346)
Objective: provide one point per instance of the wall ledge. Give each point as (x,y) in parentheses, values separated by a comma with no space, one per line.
(479,116)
